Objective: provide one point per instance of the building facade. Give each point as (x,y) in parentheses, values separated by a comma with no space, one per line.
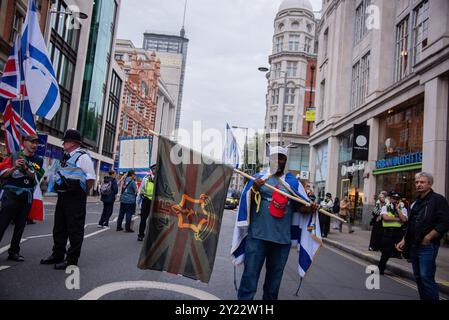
(291,81)
(172,52)
(382,64)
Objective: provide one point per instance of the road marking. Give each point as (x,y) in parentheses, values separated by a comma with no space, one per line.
(5,248)
(95,233)
(40,236)
(101,291)
(395,278)
(4,267)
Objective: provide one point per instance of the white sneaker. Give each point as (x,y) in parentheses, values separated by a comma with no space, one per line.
(99,226)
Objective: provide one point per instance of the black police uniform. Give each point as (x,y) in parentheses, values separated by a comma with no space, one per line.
(16,201)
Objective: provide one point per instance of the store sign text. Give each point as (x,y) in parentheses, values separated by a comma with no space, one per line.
(399,160)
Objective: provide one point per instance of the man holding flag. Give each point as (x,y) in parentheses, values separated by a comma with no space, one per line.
(265,227)
(21,171)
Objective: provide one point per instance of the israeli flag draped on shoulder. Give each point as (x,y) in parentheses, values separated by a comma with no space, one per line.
(305,229)
(231,153)
(40,80)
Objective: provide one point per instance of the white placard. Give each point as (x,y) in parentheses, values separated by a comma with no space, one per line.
(135,154)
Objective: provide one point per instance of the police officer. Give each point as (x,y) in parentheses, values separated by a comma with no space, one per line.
(73,180)
(393,215)
(325,221)
(146,193)
(21,173)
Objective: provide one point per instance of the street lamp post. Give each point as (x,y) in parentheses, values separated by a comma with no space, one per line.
(312,70)
(284,96)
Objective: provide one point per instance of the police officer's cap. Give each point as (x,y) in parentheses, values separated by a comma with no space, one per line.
(396,195)
(328,194)
(72,135)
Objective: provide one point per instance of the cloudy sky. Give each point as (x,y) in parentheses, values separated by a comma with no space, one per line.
(228,41)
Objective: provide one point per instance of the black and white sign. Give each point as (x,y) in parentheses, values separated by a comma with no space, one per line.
(360,145)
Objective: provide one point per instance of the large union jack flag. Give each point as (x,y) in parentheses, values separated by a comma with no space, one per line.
(17,116)
(185,219)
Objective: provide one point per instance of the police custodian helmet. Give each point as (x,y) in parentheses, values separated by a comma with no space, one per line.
(72,135)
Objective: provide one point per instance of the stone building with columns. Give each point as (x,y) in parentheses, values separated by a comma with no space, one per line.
(383,64)
(289,81)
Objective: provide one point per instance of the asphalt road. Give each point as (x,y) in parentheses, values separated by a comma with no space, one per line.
(110,258)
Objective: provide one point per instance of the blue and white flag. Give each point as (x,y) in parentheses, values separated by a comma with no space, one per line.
(231,153)
(39,75)
(305,229)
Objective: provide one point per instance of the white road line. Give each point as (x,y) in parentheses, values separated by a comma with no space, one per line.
(4,267)
(5,248)
(41,236)
(95,233)
(101,291)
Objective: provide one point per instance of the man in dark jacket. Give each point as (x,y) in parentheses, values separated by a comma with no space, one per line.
(108,191)
(428,222)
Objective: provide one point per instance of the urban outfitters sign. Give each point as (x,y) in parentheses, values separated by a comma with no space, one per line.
(406,159)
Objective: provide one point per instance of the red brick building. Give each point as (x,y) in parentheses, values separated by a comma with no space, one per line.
(309,94)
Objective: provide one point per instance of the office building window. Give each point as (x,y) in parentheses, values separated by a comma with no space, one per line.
(325,41)
(279,42)
(322,99)
(360,80)
(275,97)
(273,122)
(420,30)
(112,115)
(277,70)
(307,45)
(402,50)
(290,96)
(360,20)
(16,24)
(292,68)
(288,124)
(293,42)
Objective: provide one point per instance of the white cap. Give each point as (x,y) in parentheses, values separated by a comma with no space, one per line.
(278,150)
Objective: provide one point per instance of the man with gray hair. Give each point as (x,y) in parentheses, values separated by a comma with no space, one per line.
(428,222)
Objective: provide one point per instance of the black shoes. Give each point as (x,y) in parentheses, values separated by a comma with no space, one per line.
(129,230)
(139,238)
(63,265)
(52,260)
(119,229)
(16,257)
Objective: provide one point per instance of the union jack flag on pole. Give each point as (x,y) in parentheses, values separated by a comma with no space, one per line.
(186,213)
(40,80)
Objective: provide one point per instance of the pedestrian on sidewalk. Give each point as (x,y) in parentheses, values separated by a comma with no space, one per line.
(336,211)
(146,196)
(375,242)
(108,191)
(325,220)
(44,185)
(21,172)
(127,201)
(429,221)
(345,214)
(393,217)
(74,178)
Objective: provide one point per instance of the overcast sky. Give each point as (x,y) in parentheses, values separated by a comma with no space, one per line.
(228,41)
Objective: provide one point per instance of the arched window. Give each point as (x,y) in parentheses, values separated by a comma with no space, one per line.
(295,25)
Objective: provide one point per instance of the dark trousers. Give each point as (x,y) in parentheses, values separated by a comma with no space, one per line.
(127,209)
(14,208)
(391,236)
(375,242)
(144,213)
(424,269)
(257,252)
(108,207)
(325,224)
(70,216)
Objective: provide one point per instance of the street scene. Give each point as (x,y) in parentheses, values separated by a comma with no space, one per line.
(224,150)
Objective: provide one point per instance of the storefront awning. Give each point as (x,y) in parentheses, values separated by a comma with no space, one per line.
(406,167)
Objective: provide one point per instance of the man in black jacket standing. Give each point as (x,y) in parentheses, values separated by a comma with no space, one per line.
(108,191)
(428,222)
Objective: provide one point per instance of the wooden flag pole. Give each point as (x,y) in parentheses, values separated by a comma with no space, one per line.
(297,199)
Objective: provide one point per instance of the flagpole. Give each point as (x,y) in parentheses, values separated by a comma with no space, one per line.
(297,199)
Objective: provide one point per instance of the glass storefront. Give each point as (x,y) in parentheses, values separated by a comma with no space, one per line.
(400,150)
(321,171)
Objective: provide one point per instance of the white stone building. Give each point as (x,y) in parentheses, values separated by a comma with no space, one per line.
(384,64)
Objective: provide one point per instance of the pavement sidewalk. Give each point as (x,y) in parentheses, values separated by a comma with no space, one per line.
(357,244)
(52,198)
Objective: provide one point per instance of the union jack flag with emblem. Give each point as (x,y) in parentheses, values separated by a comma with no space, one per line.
(185,219)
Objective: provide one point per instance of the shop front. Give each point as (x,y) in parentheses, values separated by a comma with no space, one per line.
(400,151)
(321,171)
(350,184)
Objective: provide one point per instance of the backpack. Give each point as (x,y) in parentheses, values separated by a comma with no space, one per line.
(106,188)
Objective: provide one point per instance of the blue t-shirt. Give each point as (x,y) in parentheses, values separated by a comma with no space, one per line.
(263,225)
(129,194)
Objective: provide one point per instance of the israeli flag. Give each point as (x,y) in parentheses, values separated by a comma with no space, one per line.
(231,153)
(305,228)
(40,80)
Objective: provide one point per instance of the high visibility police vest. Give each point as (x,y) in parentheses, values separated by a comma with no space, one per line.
(147,190)
(391,224)
(72,172)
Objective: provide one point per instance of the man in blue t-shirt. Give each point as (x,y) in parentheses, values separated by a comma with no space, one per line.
(22,171)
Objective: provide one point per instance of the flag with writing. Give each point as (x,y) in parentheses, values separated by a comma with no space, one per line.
(186,214)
